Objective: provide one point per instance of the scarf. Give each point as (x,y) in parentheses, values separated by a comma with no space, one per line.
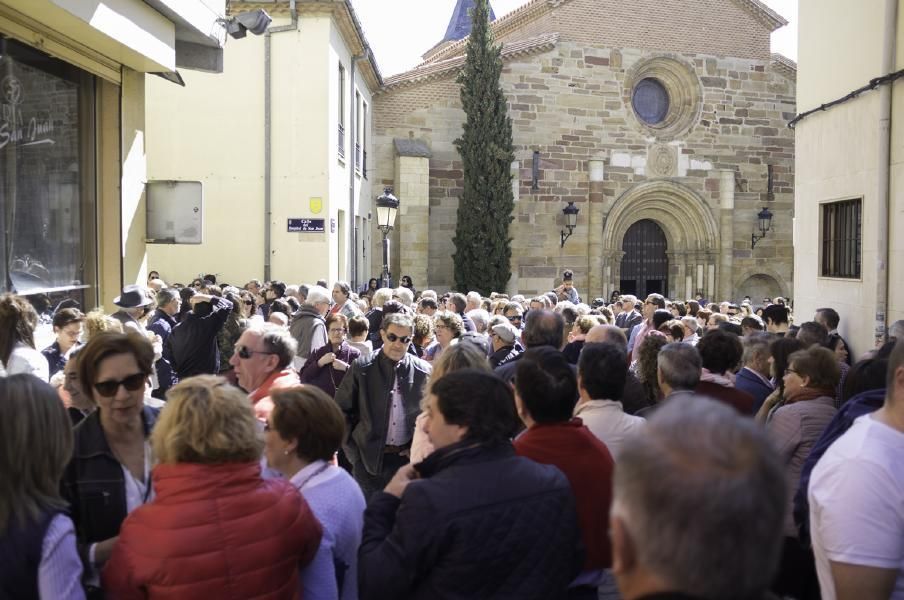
(725,380)
(803,394)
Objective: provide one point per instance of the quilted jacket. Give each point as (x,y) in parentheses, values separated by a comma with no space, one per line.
(480,523)
(214,531)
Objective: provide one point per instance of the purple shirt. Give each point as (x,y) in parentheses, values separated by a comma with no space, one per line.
(60,571)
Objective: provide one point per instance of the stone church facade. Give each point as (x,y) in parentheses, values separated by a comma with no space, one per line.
(663,121)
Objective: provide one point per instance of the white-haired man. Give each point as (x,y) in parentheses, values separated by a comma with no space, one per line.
(308,324)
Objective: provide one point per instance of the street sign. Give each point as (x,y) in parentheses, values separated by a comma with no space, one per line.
(306,226)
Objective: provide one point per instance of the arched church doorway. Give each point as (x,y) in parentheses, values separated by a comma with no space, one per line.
(645,266)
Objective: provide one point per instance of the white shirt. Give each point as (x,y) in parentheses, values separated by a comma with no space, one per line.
(857,503)
(25,359)
(607,420)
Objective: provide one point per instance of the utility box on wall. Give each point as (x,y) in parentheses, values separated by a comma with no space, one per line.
(174,212)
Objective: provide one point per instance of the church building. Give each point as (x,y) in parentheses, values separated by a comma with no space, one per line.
(664,122)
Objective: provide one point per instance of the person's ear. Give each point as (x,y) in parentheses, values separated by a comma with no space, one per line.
(624,553)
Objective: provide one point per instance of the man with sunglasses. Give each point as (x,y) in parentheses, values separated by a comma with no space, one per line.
(381,397)
(263,362)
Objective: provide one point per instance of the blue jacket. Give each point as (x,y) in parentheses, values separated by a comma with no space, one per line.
(480,523)
(861,404)
(749,382)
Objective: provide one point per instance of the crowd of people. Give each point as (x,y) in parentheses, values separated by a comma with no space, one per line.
(284,441)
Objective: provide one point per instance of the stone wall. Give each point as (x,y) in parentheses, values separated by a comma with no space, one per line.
(573,105)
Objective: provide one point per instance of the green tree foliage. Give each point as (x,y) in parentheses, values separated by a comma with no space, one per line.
(482,244)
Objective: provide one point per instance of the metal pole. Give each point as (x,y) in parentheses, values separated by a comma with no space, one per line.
(387,278)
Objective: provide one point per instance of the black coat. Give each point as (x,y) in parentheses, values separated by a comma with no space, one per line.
(365,396)
(481,523)
(93,483)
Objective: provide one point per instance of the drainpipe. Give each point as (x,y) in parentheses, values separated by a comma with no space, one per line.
(268,133)
(884,171)
(351,174)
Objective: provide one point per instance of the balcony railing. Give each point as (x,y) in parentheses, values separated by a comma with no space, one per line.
(357,157)
(364,164)
(341,145)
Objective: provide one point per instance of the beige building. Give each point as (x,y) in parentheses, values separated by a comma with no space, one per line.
(849,198)
(663,121)
(281,144)
(73,135)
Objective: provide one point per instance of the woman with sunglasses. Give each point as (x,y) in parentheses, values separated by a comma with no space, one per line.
(109,474)
(326,368)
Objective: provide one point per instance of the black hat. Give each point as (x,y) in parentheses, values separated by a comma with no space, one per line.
(133,296)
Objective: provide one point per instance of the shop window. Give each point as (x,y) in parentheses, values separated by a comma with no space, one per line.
(47,200)
(840,238)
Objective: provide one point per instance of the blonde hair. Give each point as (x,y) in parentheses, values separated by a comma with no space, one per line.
(455,358)
(206,421)
(97,321)
(35,446)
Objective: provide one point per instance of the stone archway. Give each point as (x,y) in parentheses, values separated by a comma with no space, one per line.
(760,283)
(691,232)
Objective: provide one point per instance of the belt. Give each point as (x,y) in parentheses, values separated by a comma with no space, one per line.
(395,449)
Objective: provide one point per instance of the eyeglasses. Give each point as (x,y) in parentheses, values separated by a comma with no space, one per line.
(245,353)
(132,383)
(394,338)
(343,330)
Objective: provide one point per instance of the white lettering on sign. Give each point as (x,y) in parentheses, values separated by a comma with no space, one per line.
(14,127)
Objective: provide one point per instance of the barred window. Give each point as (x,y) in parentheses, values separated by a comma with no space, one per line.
(841,238)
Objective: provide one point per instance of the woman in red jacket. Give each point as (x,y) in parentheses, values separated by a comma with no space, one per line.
(215,528)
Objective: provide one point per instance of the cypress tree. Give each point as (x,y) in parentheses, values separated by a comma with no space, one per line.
(482,244)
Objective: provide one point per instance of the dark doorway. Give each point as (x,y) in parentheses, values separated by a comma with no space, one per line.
(645,266)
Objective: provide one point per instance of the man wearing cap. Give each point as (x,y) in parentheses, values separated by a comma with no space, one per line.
(503,338)
(567,291)
(132,304)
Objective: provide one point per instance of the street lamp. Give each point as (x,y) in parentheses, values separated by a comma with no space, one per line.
(387,206)
(571,220)
(765,223)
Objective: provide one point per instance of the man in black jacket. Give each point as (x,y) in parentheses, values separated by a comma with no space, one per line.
(473,520)
(381,398)
(193,342)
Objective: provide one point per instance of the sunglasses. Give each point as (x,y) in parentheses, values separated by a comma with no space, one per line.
(132,383)
(245,353)
(518,318)
(249,302)
(394,338)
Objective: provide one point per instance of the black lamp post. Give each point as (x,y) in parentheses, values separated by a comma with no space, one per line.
(387,206)
(571,220)
(765,223)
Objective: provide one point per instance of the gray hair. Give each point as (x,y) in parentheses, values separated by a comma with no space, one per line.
(702,496)
(381,297)
(680,365)
(896,329)
(404,295)
(755,346)
(166,296)
(317,295)
(344,287)
(279,341)
(397,319)
(481,319)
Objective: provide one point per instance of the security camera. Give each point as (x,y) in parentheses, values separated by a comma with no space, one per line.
(255,21)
